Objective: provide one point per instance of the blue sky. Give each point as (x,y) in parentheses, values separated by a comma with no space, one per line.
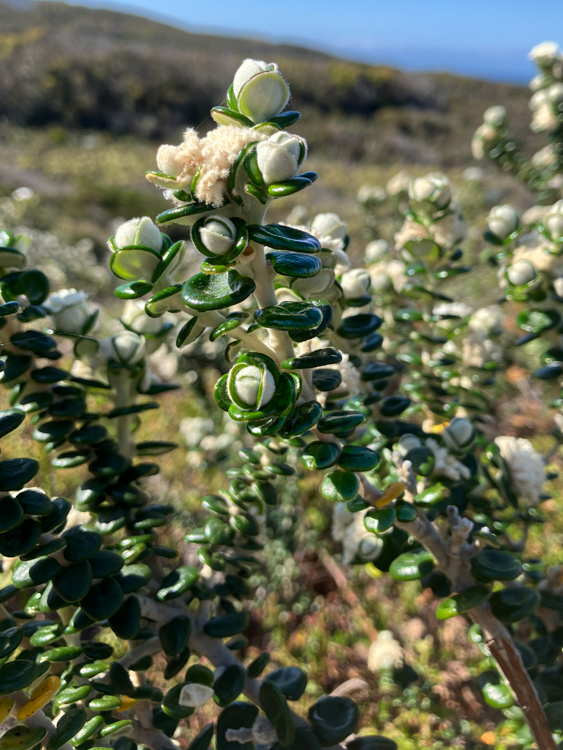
(488,38)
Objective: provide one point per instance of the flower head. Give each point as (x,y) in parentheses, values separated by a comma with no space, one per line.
(260,90)
(526,465)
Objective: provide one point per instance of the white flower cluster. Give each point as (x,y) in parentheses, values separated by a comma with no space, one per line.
(348,528)
(385,653)
(526,465)
(446,465)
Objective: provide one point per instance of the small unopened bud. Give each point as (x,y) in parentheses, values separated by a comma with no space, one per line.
(376,251)
(458,434)
(407,442)
(433,188)
(260,90)
(69,310)
(218,234)
(254,387)
(329,225)
(128,347)
(521,272)
(370,547)
(553,221)
(355,283)
(141,231)
(503,221)
(495,116)
(280,157)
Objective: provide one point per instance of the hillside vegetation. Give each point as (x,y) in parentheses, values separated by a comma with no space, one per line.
(97,69)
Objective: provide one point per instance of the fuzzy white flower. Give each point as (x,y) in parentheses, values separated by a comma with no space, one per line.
(486,319)
(544,54)
(211,156)
(446,465)
(69,310)
(385,653)
(526,465)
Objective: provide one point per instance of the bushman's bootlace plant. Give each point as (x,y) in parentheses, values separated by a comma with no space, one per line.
(307,376)
(98,571)
(392,429)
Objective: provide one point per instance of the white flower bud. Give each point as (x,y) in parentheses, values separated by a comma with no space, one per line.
(433,188)
(315,285)
(558,286)
(218,234)
(521,272)
(407,442)
(260,90)
(355,283)
(370,547)
(381,282)
(135,317)
(371,195)
(555,93)
(544,54)
(399,183)
(141,231)
(495,116)
(69,310)
(329,225)
(375,251)
(485,134)
(503,221)
(553,221)
(248,382)
(195,695)
(458,434)
(280,157)
(127,347)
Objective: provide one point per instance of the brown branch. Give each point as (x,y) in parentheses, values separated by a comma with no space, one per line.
(453,560)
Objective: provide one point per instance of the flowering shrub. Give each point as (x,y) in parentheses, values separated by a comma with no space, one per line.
(374,380)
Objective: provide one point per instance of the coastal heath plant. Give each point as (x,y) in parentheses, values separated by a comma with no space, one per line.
(109,637)
(387,422)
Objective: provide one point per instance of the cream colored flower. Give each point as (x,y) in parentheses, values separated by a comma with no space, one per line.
(214,155)
(446,465)
(527,468)
(385,653)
